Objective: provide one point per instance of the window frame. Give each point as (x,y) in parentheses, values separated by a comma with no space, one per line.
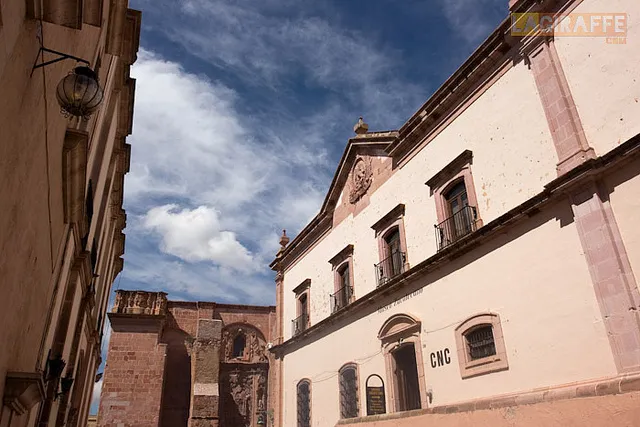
(300,291)
(348,367)
(298,421)
(456,171)
(393,220)
(474,367)
(343,259)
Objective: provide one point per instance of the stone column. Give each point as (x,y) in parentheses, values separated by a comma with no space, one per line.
(205,374)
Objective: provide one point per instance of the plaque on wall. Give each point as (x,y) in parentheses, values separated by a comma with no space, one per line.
(376,403)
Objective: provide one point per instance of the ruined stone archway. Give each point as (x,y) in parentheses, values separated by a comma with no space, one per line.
(244,374)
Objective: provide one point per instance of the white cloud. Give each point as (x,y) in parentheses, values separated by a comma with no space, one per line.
(196,235)
(473,19)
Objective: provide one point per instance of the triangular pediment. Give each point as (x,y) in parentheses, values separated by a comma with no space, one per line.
(364,165)
(359,168)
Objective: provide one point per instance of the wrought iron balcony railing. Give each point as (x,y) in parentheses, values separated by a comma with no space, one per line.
(456,226)
(299,324)
(390,267)
(341,299)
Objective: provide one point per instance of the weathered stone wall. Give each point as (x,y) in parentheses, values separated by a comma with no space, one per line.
(132,388)
(192,339)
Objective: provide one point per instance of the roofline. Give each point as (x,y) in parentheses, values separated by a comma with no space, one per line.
(406,139)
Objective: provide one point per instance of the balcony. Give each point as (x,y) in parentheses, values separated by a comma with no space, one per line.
(456,227)
(341,299)
(390,267)
(299,324)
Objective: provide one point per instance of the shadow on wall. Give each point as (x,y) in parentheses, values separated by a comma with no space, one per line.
(559,211)
(177,376)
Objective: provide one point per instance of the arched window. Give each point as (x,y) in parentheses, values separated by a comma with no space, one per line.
(239,343)
(349,407)
(304,403)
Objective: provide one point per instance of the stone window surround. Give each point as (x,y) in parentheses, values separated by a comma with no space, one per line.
(472,368)
(397,331)
(303,288)
(459,169)
(354,366)
(308,381)
(344,257)
(393,219)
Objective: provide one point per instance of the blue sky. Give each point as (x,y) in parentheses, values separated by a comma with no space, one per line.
(243,109)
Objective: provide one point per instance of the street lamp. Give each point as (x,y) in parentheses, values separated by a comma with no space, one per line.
(79,93)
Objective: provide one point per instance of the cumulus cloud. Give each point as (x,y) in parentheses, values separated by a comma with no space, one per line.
(196,235)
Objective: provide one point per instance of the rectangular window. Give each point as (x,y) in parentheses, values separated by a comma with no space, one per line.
(343,279)
(392,246)
(456,202)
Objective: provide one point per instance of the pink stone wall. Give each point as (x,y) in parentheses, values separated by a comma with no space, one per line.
(133,381)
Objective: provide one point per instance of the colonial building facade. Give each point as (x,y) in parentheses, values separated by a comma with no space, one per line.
(479,265)
(61,180)
(197,364)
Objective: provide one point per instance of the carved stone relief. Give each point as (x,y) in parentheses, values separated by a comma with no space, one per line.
(361,178)
(255,347)
(243,378)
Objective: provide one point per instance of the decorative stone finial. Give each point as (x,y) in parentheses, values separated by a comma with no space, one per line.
(361,127)
(284,240)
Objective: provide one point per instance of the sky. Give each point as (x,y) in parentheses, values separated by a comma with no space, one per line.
(242,111)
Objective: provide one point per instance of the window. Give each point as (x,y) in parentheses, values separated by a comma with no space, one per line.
(456,203)
(301,322)
(239,343)
(304,403)
(406,377)
(343,279)
(349,392)
(391,245)
(400,336)
(480,342)
(481,347)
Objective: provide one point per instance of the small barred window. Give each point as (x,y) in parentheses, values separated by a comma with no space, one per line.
(480,342)
(348,392)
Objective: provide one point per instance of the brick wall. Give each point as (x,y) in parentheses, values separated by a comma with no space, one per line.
(133,380)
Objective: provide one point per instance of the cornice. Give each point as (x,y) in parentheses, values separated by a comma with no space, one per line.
(554,190)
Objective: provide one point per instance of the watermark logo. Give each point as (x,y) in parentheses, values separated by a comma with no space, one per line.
(611,26)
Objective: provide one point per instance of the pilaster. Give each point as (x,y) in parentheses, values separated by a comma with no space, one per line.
(205,372)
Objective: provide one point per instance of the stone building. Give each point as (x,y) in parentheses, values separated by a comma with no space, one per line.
(479,265)
(61,179)
(174,363)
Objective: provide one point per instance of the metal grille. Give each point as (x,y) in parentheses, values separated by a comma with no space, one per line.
(341,298)
(348,393)
(299,324)
(304,404)
(390,267)
(480,342)
(456,226)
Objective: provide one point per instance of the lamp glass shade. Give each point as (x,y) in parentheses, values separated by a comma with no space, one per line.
(79,93)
